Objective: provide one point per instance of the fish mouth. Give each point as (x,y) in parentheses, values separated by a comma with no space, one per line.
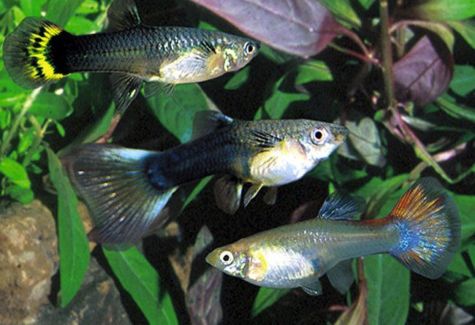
(212,258)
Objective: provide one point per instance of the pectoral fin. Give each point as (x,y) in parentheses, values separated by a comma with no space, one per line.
(125,87)
(341,276)
(227,193)
(313,289)
(151,89)
(251,193)
(271,195)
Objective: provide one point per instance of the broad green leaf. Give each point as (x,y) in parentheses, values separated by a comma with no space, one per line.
(366,3)
(364,137)
(463,81)
(343,12)
(265,298)
(466,205)
(312,70)
(176,111)
(276,105)
(59,11)
(73,243)
(82,25)
(466,29)
(440,29)
(443,10)
(32,7)
(464,293)
(15,172)
(49,105)
(141,281)
(22,195)
(455,110)
(238,79)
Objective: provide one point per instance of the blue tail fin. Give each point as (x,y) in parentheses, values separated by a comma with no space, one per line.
(114,184)
(429,227)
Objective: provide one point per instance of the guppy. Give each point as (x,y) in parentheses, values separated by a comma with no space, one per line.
(422,232)
(125,189)
(39,52)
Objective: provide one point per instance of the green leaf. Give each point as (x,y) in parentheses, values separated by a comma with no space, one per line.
(5,117)
(15,172)
(312,70)
(464,293)
(343,12)
(364,137)
(238,79)
(443,10)
(32,7)
(276,105)
(463,81)
(73,243)
(440,29)
(22,195)
(82,25)
(141,281)
(59,11)
(176,111)
(458,111)
(265,298)
(466,29)
(466,204)
(366,3)
(49,105)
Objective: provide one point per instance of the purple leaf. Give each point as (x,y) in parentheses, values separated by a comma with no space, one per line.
(424,73)
(301,27)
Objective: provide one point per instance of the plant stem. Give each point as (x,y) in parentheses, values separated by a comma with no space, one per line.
(386,53)
(40,133)
(17,121)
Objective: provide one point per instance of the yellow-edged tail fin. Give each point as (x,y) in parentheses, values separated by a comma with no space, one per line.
(428,223)
(28,53)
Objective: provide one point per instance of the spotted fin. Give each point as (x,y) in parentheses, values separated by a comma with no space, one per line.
(206,122)
(122,14)
(340,206)
(114,184)
(428,223)
(227,193)
(29,53)
(341,276)
(313,289)
(125,88)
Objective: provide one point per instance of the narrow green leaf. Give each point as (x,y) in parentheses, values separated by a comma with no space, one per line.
(443,10)
(464,294)
(73,243)
(343,12)
(49,105)
(15,172)
(59,11)
(176,111)
(313,70)
(265,298)
(366,3)
(466,29)
(238,79)
(463,81)
(141,281)
(198,188)
(455,110)
(440,29)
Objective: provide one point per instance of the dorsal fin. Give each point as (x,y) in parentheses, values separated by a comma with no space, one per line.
(123,14)
(208,121)
(340,206)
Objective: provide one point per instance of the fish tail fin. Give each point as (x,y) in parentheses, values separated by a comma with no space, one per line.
(29,52)
(429,228)
(115,185)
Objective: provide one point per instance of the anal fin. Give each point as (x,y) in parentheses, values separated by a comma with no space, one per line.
(341,276)
(153,88)
(313,288)
(125,87)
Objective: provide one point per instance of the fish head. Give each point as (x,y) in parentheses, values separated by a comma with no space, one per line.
(320,139)
(237,52)
(240,261)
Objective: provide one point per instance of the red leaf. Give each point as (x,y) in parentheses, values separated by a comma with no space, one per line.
(301,27)
(424,73)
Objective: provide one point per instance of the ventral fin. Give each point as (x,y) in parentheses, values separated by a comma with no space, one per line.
(251,193)
(227,193)
(126,88)
(341,206)
(313,289)
(123,14)
(341,276)
(208,121)
(151,89)
(270,198)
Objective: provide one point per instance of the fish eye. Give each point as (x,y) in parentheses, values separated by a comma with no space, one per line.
(226,257)
(318,135)
(249,48)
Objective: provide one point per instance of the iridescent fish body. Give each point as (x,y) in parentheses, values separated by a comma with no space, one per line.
(39,52)
(124,187)
(422,232)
